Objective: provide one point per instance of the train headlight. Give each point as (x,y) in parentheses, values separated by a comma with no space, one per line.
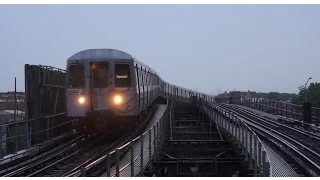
(117,99)
(81,100)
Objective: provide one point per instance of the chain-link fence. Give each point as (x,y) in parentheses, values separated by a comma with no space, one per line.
(248,141)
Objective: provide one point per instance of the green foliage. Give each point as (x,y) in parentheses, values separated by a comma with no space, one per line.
(313,95)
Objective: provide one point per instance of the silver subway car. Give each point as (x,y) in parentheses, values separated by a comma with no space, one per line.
(99,80)
(107,83)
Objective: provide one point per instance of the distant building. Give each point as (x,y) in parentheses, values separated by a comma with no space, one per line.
(7,101)
(222,98)
(237,93)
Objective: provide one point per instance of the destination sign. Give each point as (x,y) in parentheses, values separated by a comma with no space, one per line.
(121,76)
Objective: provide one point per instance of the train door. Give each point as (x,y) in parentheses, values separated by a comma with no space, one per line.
(76,100)
(100,85)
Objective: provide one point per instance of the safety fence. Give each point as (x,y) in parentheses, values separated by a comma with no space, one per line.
(250,144)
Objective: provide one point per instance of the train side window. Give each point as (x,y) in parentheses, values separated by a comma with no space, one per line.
(145,77)
(122,75)
(150,79)
(100,73)
(154,79)
(76,76)
(140,76)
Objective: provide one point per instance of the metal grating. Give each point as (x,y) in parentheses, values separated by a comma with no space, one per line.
(280,168)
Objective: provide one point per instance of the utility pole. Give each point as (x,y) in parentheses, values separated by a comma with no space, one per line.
(15,99)
(305,90)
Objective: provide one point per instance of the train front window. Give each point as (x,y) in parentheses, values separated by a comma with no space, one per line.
(100,74)
(76,76)
(122,75)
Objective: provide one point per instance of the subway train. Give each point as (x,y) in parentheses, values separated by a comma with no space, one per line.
(107,89)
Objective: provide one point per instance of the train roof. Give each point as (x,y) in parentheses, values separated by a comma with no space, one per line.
(98,54)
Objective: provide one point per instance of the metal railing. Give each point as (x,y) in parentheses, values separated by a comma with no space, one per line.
(288,110)
(250,144)
(17,136)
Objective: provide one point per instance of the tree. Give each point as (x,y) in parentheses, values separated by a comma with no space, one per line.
(313,95)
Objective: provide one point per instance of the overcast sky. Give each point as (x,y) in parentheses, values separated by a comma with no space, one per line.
(211,48)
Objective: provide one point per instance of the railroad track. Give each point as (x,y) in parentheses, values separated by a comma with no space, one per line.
(307,138)
(79,155)
(302,146)
(70,157)
(43,152)
(97,165)
(41,166)
(92,156)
